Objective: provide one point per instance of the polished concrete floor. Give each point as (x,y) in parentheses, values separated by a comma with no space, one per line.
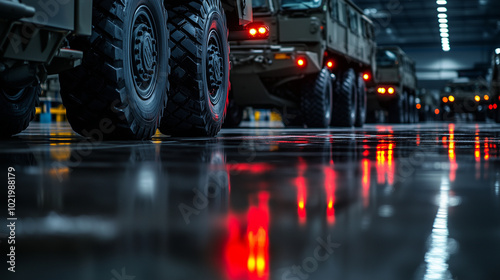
(382,202)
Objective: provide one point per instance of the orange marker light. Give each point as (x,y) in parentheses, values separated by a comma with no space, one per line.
(451,98)
(477,98)
(486,97)
(445,99)
(436,111)
(419,106)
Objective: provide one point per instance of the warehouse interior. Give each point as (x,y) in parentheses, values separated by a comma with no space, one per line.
(266,198)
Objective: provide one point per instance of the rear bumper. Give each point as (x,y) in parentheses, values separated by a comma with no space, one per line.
(273,61)
(277,65)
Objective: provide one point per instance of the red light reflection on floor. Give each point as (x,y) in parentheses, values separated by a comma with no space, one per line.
(247,253)
(385,162)
(330,188)
(365,181)
(300,182)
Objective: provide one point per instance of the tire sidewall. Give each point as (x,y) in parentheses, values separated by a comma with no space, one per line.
(327,95)
(22,104)
(215,21)
(352,91)
(146,110)
(362,102)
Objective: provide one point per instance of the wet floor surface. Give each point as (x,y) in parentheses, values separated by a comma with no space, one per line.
(382,202)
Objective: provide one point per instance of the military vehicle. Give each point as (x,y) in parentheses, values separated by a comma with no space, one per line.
(465,96)
(495,87)
(396,88)
(117,60)
(306,59)
(426,103)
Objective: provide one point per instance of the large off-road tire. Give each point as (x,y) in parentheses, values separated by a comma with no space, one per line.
(200,69)
(316,100)
(345,101)
(411,109)
(120,90)
(397,112)
(361,104)
(234,115)
(17,108)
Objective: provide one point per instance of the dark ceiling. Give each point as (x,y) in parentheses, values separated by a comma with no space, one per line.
(414,23)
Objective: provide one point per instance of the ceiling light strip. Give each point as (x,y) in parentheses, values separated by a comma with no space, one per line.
(443,24)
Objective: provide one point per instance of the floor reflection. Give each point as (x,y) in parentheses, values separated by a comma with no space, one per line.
(383,202)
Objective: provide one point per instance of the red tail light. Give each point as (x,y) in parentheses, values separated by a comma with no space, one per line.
(366,76)
(258,31)
(330,64)
(301,62)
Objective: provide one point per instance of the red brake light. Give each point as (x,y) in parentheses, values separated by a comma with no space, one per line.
(301,62)
(495,106)
(252,32)
(258,31)
(330,64)
(366,76)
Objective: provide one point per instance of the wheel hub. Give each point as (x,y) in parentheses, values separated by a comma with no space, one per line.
(145,56)
(215,69)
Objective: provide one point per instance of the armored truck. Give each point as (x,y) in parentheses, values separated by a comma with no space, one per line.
(396,87)
(310,62)
(495,87)
(463,96)
(126,67)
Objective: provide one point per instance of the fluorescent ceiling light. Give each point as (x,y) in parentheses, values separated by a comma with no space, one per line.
(445,35)
(441,2)
(497,51)
(443,25)
(444,30)
(443,20)
(442,15)
(442,9)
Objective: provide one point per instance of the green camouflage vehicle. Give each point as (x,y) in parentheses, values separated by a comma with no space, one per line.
(495,87)
(306,59)
(396,88)
(117,61)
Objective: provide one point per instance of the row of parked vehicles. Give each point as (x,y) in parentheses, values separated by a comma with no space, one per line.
(478,98)
(320,66)
(128,68)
